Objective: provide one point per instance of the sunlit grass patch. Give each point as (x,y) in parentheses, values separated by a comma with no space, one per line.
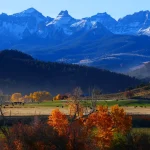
(47,104)
(141,130)
(138,103)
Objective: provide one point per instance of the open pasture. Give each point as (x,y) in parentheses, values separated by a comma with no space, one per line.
(45,108)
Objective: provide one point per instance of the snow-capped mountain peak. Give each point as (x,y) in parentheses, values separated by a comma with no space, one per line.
(105,19)
(85,24)
(23,24)
(62,19)
(136,23)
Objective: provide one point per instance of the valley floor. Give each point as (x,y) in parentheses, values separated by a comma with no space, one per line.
(45,108)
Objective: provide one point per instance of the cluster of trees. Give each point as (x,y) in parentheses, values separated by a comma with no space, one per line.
(38,96)
(61,97)
(80,131)
(76,94)
(98,130)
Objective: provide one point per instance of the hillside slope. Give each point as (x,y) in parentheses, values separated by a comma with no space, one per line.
(142,71)
(118,53)
(21,73)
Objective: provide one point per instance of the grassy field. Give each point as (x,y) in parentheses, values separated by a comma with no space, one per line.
(126,103)
(121,102)
(88,103)
(45,108)
(48,104)
(63,103)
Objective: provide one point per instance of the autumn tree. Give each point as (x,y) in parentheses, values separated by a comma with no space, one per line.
(75,109)
(27,98)
(31,97)
(95,95)
(39,96)
(74,131)
(122,123)
(16,97)
(57,97)
(95,130)
(59,121)
(77,92)
(30,137)
(108,123)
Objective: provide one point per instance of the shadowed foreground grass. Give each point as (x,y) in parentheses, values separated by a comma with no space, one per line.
(1,135)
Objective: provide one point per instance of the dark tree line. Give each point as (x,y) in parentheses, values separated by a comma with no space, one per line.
(20,72)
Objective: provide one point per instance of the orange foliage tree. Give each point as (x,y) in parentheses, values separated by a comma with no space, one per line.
(57,97)
(101,119)
(58,121)
(97,129)
(121,122)
(32,137)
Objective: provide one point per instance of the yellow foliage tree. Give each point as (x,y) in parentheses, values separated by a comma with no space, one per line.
(57,97)
(40,96)
(27,98)
(75,109)
(16,97)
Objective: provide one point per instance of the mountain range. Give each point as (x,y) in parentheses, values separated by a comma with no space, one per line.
(99,40)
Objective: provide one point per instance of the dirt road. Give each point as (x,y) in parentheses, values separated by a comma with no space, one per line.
(47,110)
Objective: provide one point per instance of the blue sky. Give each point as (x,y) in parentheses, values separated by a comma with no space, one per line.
(76,8)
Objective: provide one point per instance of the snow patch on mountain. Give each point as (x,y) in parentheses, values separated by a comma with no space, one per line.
(83,24)
(129,54)
(144,31)
(108,58)
(85,62)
